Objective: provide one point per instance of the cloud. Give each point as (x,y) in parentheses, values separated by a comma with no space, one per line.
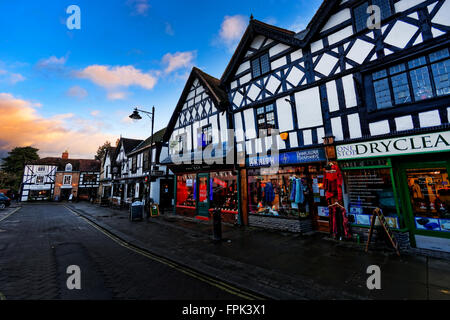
(178,60)
(117,76)
(77,92)
(51,62)
(95,113)
(116,95)
(11,78)
(232,29)
(25,127)
(139,7)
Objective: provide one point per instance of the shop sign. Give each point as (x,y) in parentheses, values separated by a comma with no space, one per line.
(430,142)
(294,157)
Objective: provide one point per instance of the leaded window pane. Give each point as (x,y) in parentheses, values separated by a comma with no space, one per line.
(265,65)
(255,68)
(385,7)
(417,62)
(401,88)
(438,55)
(379,74)
(421,84)
(382,94)
(360,13)
(441,72)
(396,69)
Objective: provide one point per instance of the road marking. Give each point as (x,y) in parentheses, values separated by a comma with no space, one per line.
(2,296)
(192,273)
(7,216)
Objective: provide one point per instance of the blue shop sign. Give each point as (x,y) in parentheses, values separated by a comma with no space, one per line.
(294,157)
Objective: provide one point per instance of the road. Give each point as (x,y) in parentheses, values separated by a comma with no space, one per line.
(39,242)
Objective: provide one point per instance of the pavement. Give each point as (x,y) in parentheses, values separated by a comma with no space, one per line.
(274,264)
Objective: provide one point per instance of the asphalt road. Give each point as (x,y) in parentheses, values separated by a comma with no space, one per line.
(38,243)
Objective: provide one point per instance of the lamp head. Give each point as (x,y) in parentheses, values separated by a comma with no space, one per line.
(135,115)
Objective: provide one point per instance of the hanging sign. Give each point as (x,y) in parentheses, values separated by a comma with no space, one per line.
(429,142)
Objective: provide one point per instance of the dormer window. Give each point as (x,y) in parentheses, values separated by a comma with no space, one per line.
(361,16)
(68,167)
(260,65)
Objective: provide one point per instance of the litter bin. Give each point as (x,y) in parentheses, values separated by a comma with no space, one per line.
(136,211)
(217,225)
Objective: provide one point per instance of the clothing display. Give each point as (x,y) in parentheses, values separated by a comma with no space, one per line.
(333,182)
(269,193)
(339,222)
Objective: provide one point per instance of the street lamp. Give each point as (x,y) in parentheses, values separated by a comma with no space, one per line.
(136,116)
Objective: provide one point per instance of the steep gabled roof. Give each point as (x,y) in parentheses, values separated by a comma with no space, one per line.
(157,138)
(256,27)
(213,88)
(288,37)
(129,144)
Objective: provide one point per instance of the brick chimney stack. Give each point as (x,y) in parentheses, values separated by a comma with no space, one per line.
(65,155)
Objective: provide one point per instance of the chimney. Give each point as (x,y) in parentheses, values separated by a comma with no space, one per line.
(65,155)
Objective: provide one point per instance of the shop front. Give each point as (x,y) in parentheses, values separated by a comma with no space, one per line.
(407,178)
(289,196)
(199,193)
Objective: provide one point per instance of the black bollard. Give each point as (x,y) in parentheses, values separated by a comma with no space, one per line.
(217,225)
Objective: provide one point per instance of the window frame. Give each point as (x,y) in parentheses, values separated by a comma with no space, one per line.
(258,58)
(134,163)
(40,177)
(208,135)
(257,117)
(373,105)
(64,180)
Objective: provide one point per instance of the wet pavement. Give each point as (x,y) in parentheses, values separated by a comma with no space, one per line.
(280,265)
(39,242)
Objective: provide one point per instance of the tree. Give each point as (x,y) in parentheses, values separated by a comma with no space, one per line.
(101,151)
(14,164)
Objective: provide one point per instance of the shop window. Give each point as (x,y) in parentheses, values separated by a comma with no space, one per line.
(367,189)
(265,118)
(419,79)
(186,190)
(361,16)
(39,195)
(260,65)
(224,195)
(39,179)
(41,169)
(289,192)
(429,192)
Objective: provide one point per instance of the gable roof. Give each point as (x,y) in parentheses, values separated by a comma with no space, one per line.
(288,37)
(77,164)
(212,87)
(128,144)
(157,138)
(254,28)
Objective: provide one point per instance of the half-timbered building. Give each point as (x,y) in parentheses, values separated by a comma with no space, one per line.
(38,181)
(121,192)
(198,144)
(148,175)
(106,176)
(372,76)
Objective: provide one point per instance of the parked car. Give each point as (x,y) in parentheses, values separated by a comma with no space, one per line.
(4,201)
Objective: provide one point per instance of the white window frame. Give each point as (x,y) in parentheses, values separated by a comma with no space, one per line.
(70,180)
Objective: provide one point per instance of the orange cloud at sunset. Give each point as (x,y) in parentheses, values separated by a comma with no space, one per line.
(21,125)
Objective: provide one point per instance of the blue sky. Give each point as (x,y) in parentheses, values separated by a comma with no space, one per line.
(74,88)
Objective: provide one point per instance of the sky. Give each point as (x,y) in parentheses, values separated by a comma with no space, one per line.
(73,89)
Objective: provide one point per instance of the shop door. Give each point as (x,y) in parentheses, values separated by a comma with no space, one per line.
(427,190)
(166,187)
(203,195)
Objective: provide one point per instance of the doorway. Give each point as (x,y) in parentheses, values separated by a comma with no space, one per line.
(203,192)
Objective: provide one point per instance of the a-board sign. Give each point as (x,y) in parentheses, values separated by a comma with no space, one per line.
(381,218)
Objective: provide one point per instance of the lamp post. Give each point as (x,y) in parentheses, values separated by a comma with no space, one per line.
(136,116)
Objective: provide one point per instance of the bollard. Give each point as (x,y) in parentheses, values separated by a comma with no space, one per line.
(217,225)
